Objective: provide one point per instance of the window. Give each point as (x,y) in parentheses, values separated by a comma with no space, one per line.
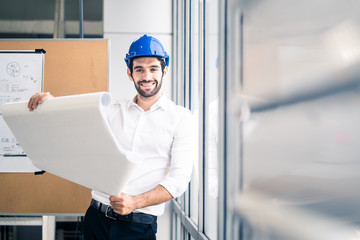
(196,87)
(47,19)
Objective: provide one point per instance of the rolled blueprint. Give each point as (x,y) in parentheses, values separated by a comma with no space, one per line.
(70,137)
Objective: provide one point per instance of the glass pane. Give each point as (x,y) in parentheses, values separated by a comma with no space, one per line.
(212,96)
(195,95)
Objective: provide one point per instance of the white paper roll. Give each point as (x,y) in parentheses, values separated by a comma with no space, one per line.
(71,138)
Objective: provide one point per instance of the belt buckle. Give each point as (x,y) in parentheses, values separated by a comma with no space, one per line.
(106,213)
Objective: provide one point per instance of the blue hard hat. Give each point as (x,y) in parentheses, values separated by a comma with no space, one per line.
(147,46)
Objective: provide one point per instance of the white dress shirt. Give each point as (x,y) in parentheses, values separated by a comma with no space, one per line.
(164,138)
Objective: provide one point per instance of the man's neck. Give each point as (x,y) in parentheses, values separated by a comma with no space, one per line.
(146,102)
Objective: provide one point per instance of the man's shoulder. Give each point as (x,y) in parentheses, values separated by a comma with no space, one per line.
(177,109)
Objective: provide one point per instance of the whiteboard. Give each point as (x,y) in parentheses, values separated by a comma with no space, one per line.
(21,75)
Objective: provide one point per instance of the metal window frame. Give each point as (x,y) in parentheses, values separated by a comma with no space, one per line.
(188,223)
(222,120)
(201,76)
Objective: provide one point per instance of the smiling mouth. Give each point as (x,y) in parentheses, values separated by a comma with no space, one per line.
(147,84)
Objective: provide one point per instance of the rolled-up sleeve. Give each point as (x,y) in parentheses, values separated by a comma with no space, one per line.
(183,155)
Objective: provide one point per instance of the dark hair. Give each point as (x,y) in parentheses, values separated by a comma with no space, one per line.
(161,60)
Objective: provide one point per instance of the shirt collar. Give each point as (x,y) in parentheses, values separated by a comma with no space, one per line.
(160,103)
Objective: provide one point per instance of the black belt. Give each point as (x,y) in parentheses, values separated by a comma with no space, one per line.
(132,217)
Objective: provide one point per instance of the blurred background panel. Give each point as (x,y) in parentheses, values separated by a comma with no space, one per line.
(300,143)
(293,45)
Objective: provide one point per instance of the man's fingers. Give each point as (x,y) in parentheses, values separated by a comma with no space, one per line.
(32,102)
(122,204)
(37,99)
(119,197)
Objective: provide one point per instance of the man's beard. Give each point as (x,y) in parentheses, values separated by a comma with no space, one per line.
(152,92)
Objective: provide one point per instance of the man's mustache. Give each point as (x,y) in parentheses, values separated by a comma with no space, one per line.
(147,81)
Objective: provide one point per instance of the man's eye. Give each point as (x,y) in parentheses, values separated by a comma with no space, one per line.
(139,70)
(154,69)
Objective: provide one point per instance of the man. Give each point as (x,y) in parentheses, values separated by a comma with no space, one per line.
(160,132)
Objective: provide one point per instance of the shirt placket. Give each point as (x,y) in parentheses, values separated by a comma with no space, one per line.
(137,135)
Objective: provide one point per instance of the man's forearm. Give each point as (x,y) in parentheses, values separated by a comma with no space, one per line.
(156,196)
(125,204)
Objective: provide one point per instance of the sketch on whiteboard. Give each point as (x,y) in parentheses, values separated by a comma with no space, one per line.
(13,69)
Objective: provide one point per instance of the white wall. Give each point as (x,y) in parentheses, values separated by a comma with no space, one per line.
(124,22)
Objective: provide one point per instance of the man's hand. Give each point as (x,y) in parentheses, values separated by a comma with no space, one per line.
(37,99)
(123,204)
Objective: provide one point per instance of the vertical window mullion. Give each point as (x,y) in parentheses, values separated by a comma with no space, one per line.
(222,120)
(201,118)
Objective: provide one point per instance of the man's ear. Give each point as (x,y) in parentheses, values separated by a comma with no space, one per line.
(129,74)
(166,69)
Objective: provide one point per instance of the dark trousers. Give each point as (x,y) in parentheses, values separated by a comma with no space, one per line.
(99,227)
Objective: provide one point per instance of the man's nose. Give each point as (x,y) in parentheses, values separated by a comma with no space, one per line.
(147,75)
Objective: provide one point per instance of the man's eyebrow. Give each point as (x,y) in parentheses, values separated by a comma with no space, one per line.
(152,66)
